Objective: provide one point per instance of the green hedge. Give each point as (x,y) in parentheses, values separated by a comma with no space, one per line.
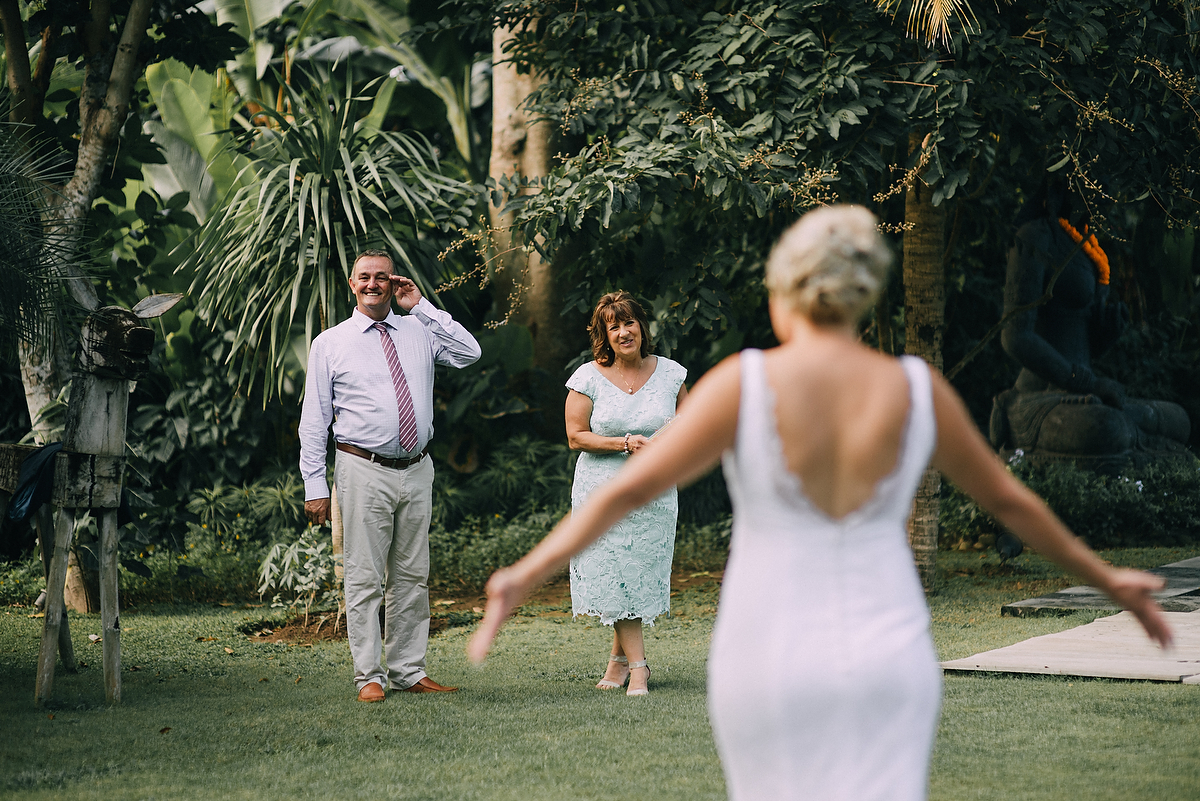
(466,556)
(1152,506)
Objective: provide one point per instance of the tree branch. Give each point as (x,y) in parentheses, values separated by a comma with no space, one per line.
(103,106)
(126,67)
(45,63)
(95,31)
(16,56)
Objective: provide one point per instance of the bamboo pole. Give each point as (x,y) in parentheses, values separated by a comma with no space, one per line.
(55,610)
(335,524)
(110,623)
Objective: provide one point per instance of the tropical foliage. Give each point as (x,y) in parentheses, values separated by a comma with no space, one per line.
(1159,504)
(27,244)
(282,137)
(693,132)
(329,185)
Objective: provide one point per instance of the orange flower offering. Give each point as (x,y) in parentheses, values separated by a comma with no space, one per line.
(1090,246)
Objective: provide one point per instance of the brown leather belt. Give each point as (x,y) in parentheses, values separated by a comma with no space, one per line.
(374,458)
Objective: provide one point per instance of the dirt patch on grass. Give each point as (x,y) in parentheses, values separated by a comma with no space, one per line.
(297,631)
(447,610)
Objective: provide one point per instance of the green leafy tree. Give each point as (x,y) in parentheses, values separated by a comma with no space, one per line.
(77,89)
(697,131)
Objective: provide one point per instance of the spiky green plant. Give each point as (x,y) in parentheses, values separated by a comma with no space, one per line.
(273,259)
(28,243)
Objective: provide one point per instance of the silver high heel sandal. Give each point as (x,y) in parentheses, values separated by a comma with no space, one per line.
(634,666)
(605,684)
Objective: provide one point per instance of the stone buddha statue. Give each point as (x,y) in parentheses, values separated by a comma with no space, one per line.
(1059,410)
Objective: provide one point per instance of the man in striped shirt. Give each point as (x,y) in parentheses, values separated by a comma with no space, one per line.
(371,377)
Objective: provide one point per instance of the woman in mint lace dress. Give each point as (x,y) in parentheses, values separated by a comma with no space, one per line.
(615,406)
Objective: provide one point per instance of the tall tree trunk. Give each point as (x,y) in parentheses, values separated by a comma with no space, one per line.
(521,145)
(524,284)
(924,325)
(45,370)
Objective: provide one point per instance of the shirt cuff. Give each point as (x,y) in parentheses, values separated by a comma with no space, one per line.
(315,489)
(425,309)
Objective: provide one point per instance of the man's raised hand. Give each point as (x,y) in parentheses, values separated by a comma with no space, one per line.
(407,293)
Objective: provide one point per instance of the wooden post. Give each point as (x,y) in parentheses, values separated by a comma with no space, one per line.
(44,523)
(55,611)
(87,475)
(110,623)
(114,349)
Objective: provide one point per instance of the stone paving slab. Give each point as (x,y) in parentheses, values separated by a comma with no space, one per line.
(1112,647)
(1182,594)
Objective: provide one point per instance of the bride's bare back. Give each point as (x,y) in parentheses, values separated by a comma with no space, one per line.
(841,411)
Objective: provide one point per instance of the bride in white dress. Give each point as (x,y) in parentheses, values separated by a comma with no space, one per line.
(823,681)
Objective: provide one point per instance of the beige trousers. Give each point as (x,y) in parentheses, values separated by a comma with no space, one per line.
(385,523)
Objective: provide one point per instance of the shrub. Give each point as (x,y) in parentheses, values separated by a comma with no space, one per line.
(522,476)
(302,572)
(466,556)
(20,581)
(205,570)
(1152,506)
(260,510)
(703,547)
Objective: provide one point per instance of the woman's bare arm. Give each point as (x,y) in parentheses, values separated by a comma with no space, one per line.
(704,429)
(580,437)
(964,457)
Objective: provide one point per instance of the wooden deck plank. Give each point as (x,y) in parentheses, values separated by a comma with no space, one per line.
(1112,647)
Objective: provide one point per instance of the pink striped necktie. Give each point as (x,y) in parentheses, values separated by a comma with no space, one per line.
(404,403)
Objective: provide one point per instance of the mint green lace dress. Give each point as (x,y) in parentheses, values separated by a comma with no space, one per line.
(626,574)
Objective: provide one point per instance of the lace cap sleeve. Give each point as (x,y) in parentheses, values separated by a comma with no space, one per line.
(675,373)
(582,380)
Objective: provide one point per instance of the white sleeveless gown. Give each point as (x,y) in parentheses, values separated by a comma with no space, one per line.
(823,682)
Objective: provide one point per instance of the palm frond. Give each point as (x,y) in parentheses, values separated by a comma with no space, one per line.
(930,19)
(31,242)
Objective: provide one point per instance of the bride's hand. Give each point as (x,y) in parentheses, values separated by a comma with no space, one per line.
(1132,590)
(504,594)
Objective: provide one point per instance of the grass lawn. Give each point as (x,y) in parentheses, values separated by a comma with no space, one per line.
(274,721)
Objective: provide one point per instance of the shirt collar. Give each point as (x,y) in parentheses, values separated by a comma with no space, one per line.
(364,323)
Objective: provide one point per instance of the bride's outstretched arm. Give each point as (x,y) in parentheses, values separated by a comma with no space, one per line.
(964,457)
(704,429)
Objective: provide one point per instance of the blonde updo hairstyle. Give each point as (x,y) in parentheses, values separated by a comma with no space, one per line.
(830,265)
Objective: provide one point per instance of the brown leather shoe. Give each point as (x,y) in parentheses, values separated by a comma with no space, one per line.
(428,685)
(371,692)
